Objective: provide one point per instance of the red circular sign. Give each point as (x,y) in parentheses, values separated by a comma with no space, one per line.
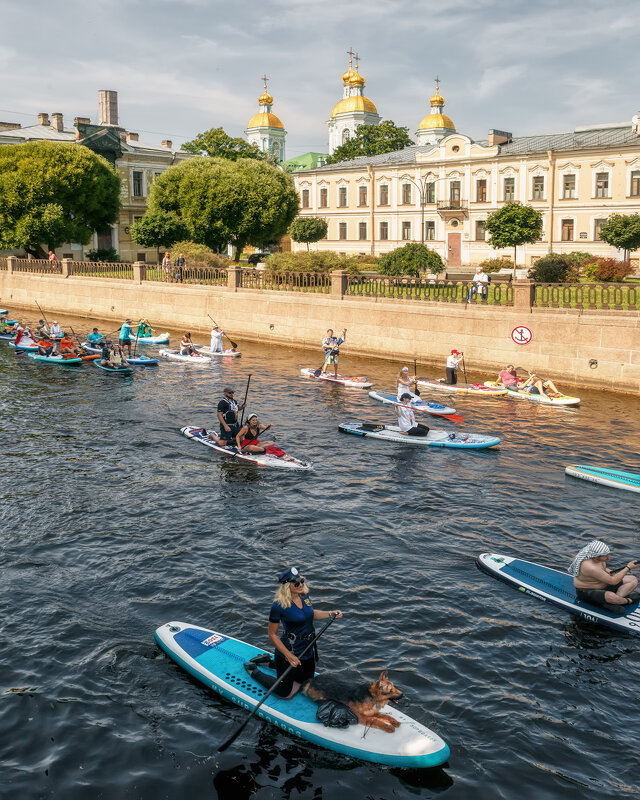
(521,334)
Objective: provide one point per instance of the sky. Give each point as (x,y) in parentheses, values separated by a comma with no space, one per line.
(183,66)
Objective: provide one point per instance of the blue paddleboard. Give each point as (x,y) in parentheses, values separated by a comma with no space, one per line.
(217,661)
(607,477)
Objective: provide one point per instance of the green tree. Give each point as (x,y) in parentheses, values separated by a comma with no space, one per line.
(412,259)
(159,229)
(308,229)
(622,231)
(215,143)
(372,140)
(221,201)
(53,192)
(513,225)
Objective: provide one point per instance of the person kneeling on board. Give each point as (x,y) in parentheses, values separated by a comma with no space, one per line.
(597,585)
(405,382)
(407,419)
(45,346)
(186,346)
(247,437)
(293,610)
(67,348)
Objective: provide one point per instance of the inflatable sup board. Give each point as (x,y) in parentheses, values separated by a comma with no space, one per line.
(354,381)
(261,459)
(607,477)
(543,399)
(176,355)
(474,389)
(206,351)
(55,359)
(437,409)
(161,338)
(391,433)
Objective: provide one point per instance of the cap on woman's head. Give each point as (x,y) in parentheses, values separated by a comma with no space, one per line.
(455,352)
(406,396)
(289,575)
(404,369)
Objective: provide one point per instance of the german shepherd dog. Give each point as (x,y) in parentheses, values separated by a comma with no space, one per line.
(364,699)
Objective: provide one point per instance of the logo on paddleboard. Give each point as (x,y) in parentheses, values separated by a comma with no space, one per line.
(212,641)
(521,335)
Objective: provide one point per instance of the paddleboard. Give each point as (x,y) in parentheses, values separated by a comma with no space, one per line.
(192,359)
(607,477)
(391,433)
(417,405)
(354,381)
(206,351)
(3,312)
(27,347)
(261,459)
(475,389)
(217,660)
(90,348)
(113,370)
(7,337)
(555,587)
(55,359)
(161,338)
(142,361)
(543,399)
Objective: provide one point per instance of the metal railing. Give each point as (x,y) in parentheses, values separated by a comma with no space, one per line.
(3,264)
(102,269)
(429,289)
(41,266)
(206,276)
(319,282)
(586,296)
(452,205)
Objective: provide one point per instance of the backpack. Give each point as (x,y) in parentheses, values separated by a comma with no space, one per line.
(333,714)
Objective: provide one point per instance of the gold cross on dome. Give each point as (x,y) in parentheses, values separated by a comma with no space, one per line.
(357,57)
(351,54)
(265,79)
(437,85)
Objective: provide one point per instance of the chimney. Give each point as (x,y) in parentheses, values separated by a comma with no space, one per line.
(635,124)
(57,122)
(9,126)
(43,119)
(108,103)
(499,137)
(132,137)
(167,143)
(81,121)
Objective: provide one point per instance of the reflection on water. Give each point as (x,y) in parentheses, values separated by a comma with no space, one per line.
(114,523)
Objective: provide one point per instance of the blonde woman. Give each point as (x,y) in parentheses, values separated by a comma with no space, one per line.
(166,265)
(405,382)
(293,610)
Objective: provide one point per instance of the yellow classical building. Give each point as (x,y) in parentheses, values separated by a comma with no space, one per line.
(441,190)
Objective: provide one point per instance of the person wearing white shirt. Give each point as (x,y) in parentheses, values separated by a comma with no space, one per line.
(452,367)
(216,340)
(407,419)
(480,285)
(56,330)
(405,382)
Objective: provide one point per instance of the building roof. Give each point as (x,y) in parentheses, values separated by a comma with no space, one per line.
(356,102)
(32,132)
(264,119)
(305,161)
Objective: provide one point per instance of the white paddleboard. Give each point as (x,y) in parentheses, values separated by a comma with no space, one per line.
(474,389)
(542,399)
(161,338)
(261,459)
(353,381)
(606,477)
(417,404)
(207,351)
(392,433)
(175,355)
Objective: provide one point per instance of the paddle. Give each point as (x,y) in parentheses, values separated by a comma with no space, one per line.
(239,730)
(415,376)
(255,439)
(464,368)
(244,405)
(46,321)
(233,344)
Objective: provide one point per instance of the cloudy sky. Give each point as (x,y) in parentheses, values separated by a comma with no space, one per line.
(182,66)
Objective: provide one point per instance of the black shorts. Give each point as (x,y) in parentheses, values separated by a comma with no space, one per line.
(299,674)
(452,376)
(124,342)
(596,596)
(419,430)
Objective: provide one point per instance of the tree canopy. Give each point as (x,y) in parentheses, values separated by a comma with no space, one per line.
(215,143)
(513,225)
(622,231)
(412,259)
(308,229)
(220,201)
(53,192)
(159,229)
(372,140)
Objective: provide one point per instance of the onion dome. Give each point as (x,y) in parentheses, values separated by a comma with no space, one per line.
(265,98)
(354,103)
(356,79)
(436,119)
(265,119)
(348,75)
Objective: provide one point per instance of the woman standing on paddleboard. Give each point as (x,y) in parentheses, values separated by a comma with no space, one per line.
(293,610)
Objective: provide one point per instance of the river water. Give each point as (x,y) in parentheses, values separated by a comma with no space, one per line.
(113,523)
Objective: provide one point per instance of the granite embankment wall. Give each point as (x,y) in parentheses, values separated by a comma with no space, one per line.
(595,348)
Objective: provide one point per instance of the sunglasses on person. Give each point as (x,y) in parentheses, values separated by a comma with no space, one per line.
(298,583)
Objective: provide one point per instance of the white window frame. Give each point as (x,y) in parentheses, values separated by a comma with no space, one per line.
(144,183)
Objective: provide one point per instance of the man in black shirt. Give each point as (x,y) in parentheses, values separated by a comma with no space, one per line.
(228,417)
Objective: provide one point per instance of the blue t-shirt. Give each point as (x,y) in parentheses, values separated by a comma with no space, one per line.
(298,621)
(94,337)
(125,331)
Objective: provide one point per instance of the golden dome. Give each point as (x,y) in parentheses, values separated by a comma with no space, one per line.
(436,121)
(265,99)
(356,79)
(355,103)
(437,99)
(264,120)
(348,75)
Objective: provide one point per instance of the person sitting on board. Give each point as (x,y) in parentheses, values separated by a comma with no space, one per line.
(508,377)
(216,345)
(118,361)
(405,382)
(56,330)
(45,346)
(331,346)
(67,347)
(293,610)
(247,437)
(228,418)
(24,337)
(42,329)
(407,419)
(597,585)
(186,346)
(535,385)
(95,339)
(452,367)
(124,338)
(143,329)
(5,327)
(105,354)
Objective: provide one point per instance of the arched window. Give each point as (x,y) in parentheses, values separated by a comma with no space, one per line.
(346,135)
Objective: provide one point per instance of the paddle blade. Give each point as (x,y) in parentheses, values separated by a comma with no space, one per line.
(453,417)
(317,372)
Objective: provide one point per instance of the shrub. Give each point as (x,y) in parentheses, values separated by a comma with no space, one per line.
(579,258)
(412,259)
(198,255)
(314,261)
(608,270)
(109,254)
(554,268)
(496,264)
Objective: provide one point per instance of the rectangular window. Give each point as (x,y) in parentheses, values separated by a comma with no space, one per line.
(454,194)
(602,184)
(597,227)
(324,198)
(384,231)
(430,194)
(481,190)
(480,229)
(362,195)
(342,197)
(569,187)
(537,192)
(567,230)
(635,184)
(137,183)
(362,231)
(406,231)
(305,198)
(342,230)
(384,195)
(429,230)
(406,193)
(141,257)
(509,190)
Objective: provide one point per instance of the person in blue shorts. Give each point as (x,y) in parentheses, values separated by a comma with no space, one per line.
(292,610)
(124,339)
(331,346)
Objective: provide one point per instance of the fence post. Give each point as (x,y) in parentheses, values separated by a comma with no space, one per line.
(67,267)
(139,271)
(339,282)
(524,293)
(11,264)
(234,278)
